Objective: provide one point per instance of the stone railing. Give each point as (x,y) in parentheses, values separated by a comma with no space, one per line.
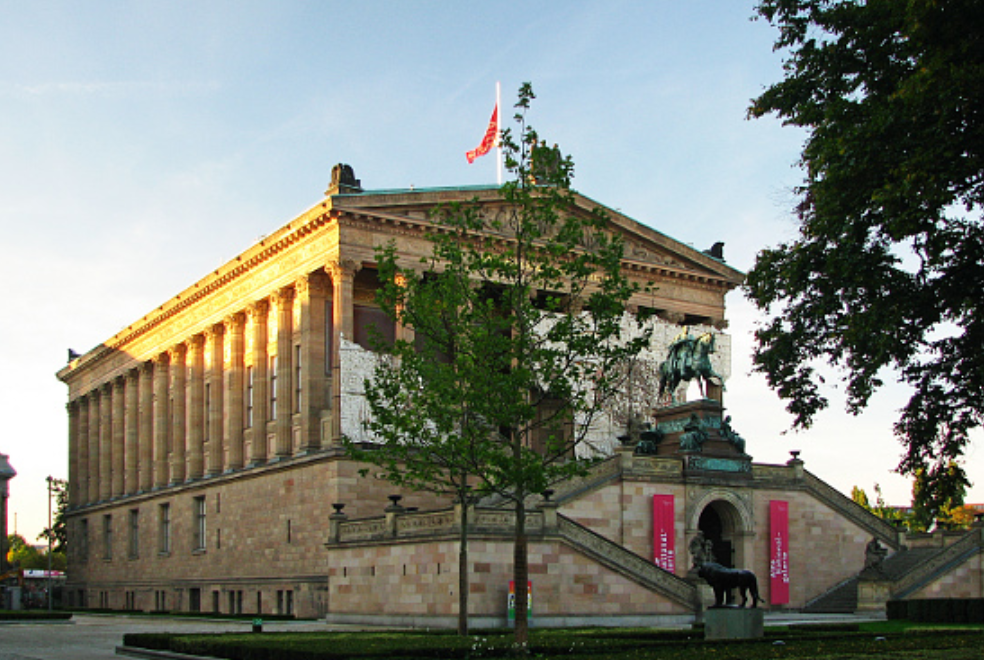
(541,524)
(940,563)
(398,524)
(627,563)
(844,505)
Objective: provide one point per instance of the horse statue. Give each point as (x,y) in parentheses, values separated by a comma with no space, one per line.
(688,357)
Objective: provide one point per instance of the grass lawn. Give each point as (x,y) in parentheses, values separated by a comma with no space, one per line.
(895,640)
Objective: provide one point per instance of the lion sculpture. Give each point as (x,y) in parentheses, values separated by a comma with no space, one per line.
(723,580)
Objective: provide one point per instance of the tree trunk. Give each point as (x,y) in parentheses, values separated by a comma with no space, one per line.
(521,576)
(463,571)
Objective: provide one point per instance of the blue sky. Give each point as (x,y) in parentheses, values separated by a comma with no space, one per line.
(142,144)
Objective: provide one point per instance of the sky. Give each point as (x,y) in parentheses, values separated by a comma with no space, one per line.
(143,144)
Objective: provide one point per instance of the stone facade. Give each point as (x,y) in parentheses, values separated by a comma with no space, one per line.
(206,472)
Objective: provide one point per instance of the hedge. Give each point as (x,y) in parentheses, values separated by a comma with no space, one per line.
(937,610)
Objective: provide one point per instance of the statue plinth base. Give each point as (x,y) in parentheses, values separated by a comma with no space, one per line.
(733,623)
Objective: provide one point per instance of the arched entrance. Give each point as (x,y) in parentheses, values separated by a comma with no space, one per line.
(719,521)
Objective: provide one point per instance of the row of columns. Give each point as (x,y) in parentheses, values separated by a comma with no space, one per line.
(184,414)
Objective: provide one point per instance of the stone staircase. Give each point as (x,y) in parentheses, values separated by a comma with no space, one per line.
(843,597)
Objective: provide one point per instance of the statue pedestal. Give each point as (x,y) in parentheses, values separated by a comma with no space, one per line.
(733,623)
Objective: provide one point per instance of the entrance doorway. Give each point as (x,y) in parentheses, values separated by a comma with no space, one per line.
(717,524)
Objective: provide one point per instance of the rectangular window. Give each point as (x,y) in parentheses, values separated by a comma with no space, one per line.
(107,537)
(249,397)
(297,379)
(194,599)
(215,602)
(272,414)
(198,538)
(84,539)
(133,542)
(164,528)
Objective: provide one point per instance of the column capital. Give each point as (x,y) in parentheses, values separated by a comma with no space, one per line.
(119,382)
(177,353)
(343,269)
(161,359)
(146,367)
(258,309)
(214,331)
(106,388)
(316,282)
(282,296)
(195,342)
(234,321)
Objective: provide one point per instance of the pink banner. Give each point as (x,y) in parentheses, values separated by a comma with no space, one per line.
(664,536)
(779,552)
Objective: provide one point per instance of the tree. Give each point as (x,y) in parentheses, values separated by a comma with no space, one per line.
(886,277)
(935,498)
(22,554)
(58,531)
(517,322)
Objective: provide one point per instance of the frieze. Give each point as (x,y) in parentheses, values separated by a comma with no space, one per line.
(712,464)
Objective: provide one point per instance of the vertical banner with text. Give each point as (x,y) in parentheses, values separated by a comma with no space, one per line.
(664,537)
(779,552)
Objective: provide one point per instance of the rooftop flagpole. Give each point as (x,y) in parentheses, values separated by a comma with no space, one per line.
(498,129)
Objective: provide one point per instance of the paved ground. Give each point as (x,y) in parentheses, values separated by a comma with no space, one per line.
(89,637)
(95,637)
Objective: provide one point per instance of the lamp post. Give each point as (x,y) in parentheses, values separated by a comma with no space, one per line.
(51,532)
(6,474)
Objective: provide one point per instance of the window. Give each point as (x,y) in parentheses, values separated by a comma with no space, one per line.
(107,537)
(372,325)
(133,542)
(194,599)
(164,528)
(297,379)
(249,397)
(84,539)
(198,540)
(273,388)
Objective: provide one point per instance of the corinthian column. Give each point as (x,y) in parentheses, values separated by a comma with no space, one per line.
(82,487)
(161,420)
(343,315)
(145,465)
(106,441)
(119,415)
(213,399)
(93,441)
(283,301)
(177,401)
(131,432)
(74,451)
(312,293)
(195,408)
(233,390)
(258,323)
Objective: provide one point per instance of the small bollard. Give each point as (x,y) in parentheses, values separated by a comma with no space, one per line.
(257,625)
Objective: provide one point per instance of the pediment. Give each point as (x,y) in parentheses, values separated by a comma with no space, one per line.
(645,248)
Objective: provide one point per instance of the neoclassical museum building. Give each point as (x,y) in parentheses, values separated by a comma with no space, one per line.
(206,471)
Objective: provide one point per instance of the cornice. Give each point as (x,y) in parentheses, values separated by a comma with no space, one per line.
(221,278)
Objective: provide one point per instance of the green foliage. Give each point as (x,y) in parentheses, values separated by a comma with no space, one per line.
(887,273)
(58,530)
(23,555)
(936,497)
(33,615)
(517,318)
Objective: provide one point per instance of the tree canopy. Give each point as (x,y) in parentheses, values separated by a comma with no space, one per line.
(885,279)
(516,345)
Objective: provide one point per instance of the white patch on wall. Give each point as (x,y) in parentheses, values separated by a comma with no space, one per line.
(358,364)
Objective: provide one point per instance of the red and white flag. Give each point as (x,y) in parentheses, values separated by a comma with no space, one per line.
(490,140)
